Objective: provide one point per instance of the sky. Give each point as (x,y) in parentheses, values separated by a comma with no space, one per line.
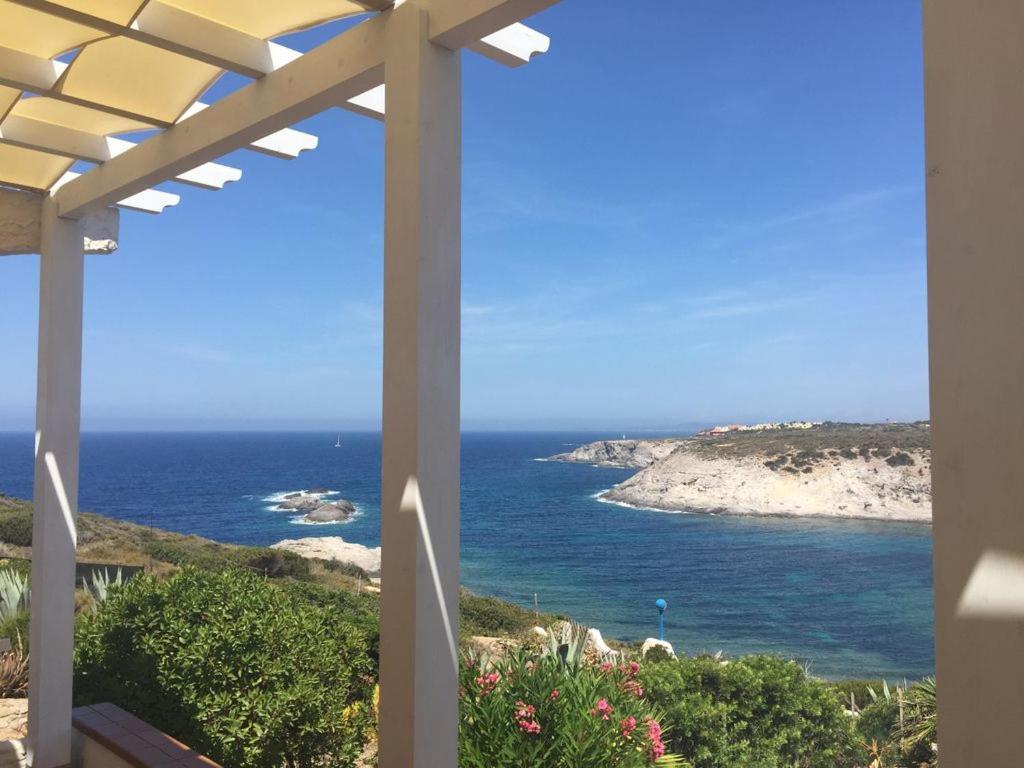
(710,211)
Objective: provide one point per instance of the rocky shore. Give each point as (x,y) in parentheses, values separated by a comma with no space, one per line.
(620,453)
(872,472)
(335,548)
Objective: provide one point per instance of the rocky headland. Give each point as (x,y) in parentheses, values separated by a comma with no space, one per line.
(316,508)
(863,471)
(620,453)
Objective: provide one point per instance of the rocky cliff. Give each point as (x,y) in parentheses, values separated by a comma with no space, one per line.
(620,453)
(876,472)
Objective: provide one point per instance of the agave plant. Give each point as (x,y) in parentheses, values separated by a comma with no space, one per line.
(917,731)
(14,672)
(99,587)
(14,594)
(569,643)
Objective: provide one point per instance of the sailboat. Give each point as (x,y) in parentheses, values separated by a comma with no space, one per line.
(337,443)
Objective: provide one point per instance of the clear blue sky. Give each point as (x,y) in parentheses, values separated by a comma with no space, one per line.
(709,211)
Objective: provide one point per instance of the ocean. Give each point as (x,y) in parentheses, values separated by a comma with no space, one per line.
(845,598)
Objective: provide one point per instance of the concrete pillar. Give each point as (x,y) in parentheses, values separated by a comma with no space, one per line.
(974,89)
(420,462)
(56,490)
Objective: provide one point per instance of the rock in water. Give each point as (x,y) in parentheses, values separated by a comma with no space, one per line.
(332,512)
(300,503)
(318,491)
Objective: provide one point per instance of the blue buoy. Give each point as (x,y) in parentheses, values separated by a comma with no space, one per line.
(662,605)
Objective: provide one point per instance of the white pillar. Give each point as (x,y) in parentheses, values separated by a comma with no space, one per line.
(420,462)
(56,490)
(974,114)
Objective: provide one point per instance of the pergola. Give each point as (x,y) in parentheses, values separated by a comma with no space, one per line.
(100,68)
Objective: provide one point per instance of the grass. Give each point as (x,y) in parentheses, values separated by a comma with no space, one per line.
(831,439)
(103,540)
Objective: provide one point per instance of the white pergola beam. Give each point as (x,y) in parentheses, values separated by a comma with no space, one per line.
(79,145)
(348,65)
(55,492)
(513,45)
(145,201)
(37,75)
(173,29)
(461,23)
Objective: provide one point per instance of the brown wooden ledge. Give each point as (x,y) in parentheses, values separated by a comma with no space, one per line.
(133,740)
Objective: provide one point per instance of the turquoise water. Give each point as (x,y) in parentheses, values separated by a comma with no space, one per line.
(846,598)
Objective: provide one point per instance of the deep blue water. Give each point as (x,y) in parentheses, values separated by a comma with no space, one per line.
(847,598)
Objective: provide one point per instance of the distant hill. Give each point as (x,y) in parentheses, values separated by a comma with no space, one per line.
(869,471)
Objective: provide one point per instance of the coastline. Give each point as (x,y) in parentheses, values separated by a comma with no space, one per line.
(738,512)
(876,473)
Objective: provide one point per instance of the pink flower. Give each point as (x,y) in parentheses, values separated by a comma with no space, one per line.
(634,668)
(555,694)
(529,727)
(657,746)
(627,726)
(603,709)
(488,682)
(633,687)
(606,667)
(524,711)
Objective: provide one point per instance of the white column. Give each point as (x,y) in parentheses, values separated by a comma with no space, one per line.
(974,99)
(56,490)
(420,462)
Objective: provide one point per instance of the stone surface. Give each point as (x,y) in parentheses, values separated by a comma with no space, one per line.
(620,453)
(335,548)
(653,642)
(13,718)
(20,227)
(333,512)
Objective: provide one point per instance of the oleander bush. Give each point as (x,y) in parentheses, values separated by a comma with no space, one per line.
(755,712)
(555,710)
(233,665)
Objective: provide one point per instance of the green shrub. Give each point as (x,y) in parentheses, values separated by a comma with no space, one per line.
(917,734)
(878,720)
(359,609)
(859,688)
(657,654)
(491,616)
(16,525)
(233,666)
(536,710)
(211,556)
(900,459)
(757,712)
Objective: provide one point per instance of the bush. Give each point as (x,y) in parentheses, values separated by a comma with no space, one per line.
(211,556)
(859,688)
(757,712)
(491,616)
(900,459)
(529,710)
(360,610)
(16,525)
(233,666)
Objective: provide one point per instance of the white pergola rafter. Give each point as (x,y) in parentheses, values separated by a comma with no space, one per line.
(342,68)
(407,54)
(79,145)
(41,76)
